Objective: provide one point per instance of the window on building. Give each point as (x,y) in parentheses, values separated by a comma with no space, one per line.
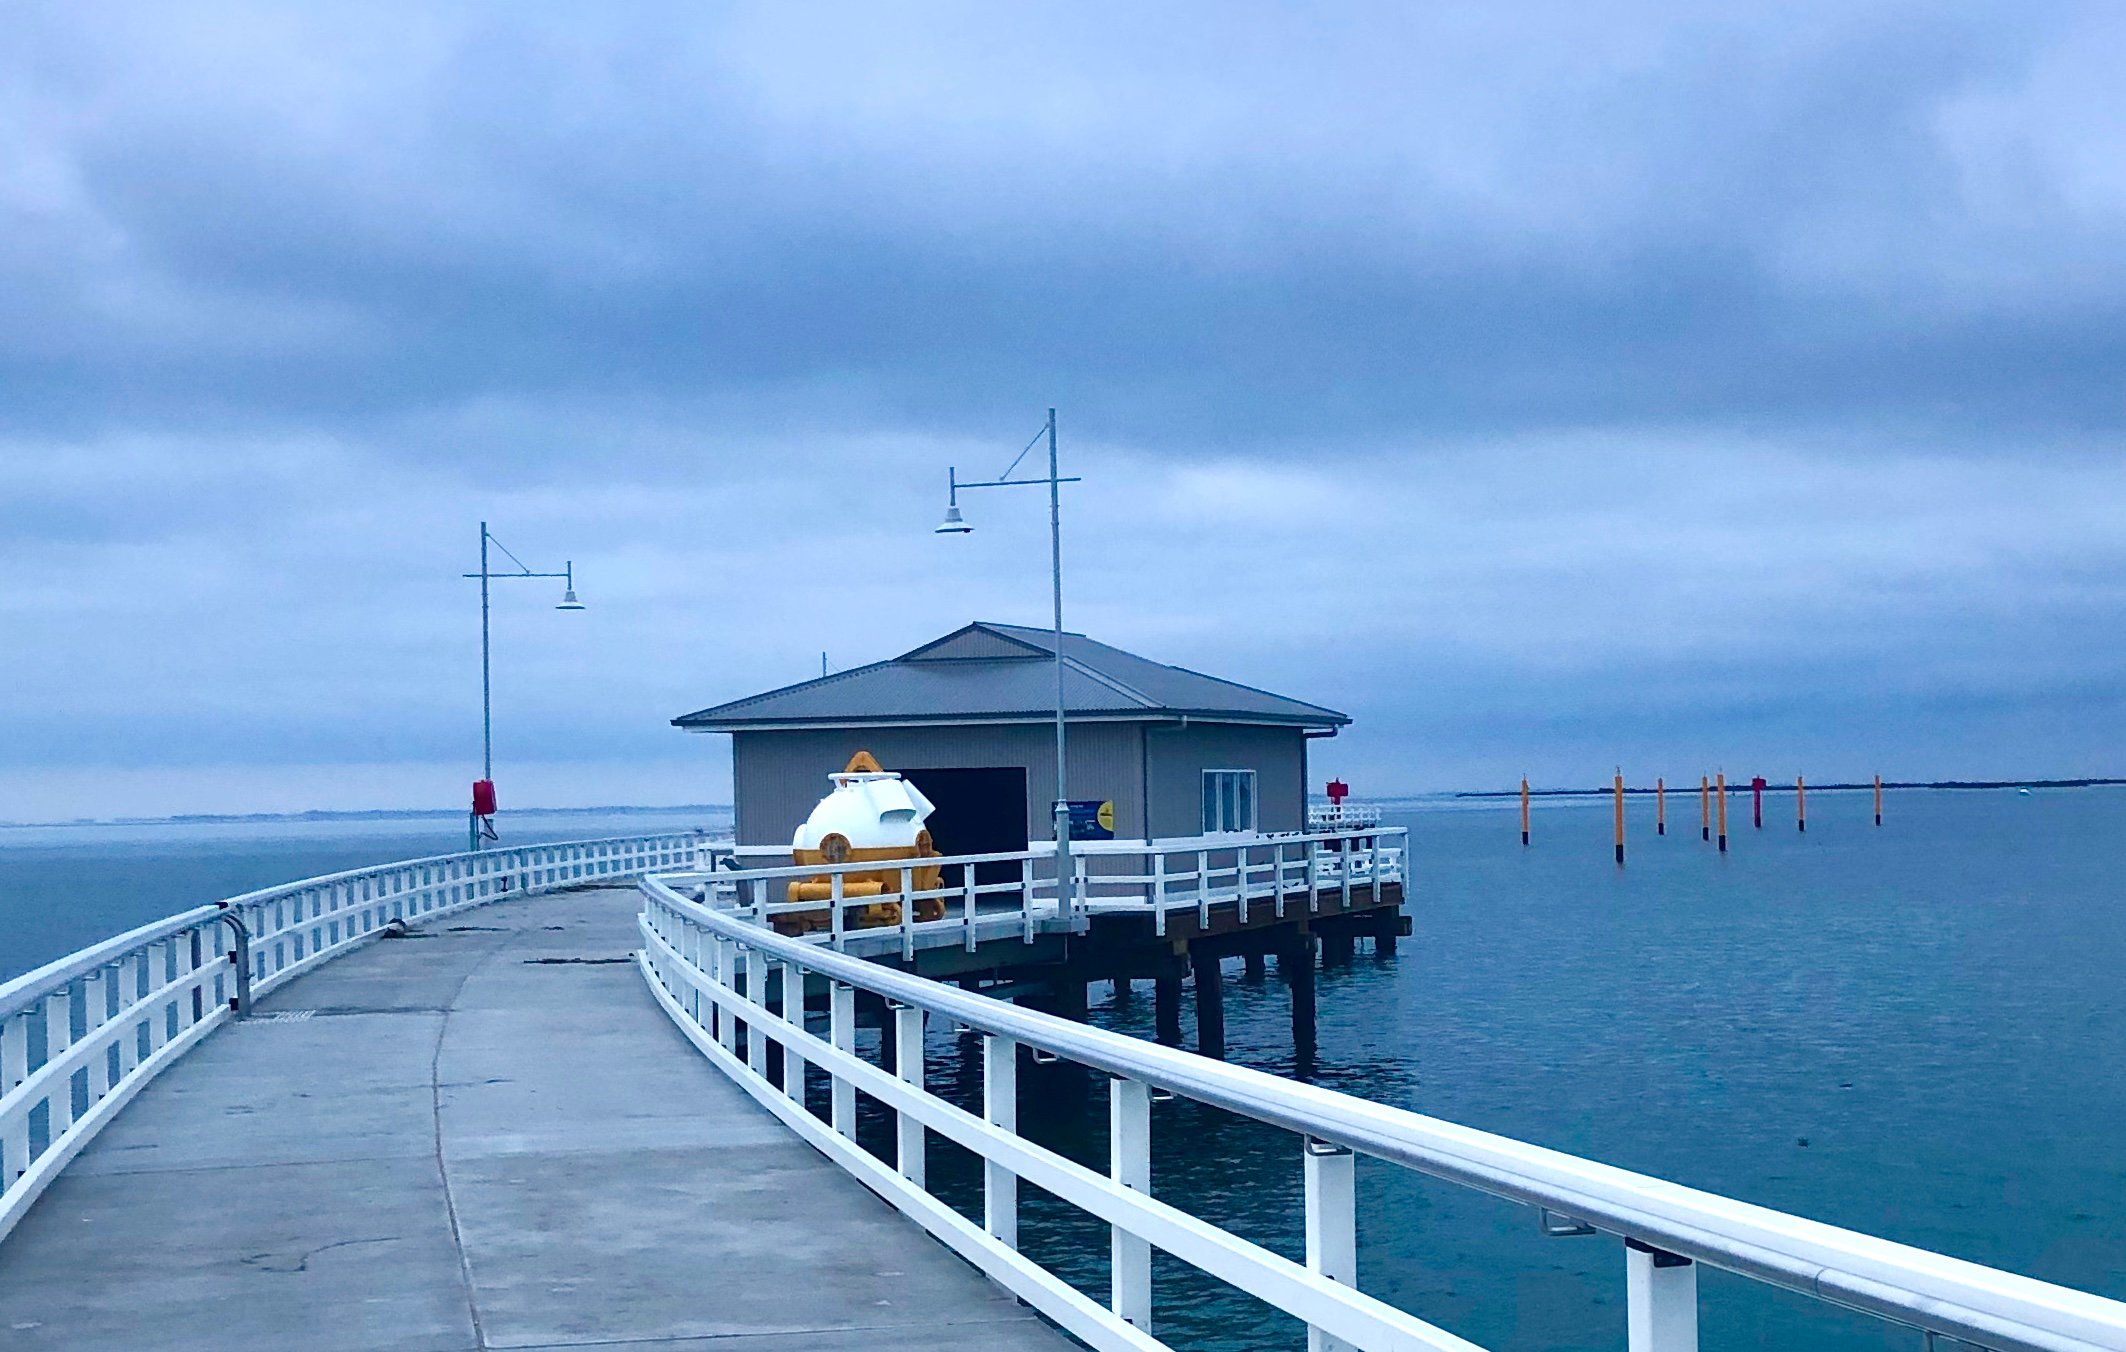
(1228,800)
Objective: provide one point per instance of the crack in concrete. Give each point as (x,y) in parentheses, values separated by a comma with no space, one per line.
(270,1262)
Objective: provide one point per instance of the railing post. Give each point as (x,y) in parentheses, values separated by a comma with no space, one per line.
(1159,893)
(1313,877)
(14,1069)
(793,1013)
(95,1010)
(757,992)
(691,942)
(1203,889)
(58,1036)
(1000,1106)
(907,913)
(721,976)
(1332,1225)
(1129,1113)
(908,1058)
(842,1031)
(1026,897)
(1240,886)
(1349,845)
(968,902)
(1660,1300)
(836,921)
(1277,879)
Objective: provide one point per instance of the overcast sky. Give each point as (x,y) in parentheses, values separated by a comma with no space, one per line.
(1550,387)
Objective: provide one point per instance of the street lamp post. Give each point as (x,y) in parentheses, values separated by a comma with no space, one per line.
(955,524)
(487,715)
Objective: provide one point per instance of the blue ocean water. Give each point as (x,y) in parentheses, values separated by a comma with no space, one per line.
(1915,1031)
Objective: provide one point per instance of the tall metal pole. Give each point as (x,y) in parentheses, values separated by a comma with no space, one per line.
(1064,871)
(487,716)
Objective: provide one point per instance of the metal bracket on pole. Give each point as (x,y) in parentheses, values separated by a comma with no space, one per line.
(1563,1227)
(240,958)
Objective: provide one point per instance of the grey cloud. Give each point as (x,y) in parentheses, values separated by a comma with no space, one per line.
(1542,384)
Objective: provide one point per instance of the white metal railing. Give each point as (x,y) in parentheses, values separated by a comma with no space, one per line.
(81,1035)
(1280,873)
(734,987)
(1343,816)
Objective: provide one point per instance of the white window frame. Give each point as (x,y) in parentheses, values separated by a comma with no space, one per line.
(1225,803)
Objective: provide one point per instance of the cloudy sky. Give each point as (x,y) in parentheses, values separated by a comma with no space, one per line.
(1551,387)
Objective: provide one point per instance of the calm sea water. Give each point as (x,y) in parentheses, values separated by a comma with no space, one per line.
(1915,1031)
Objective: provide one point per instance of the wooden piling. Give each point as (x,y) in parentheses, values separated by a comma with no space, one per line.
(1524,809)
(1255,965)
(1705,808)
(1296,962)
(1210,1004)
(1720,792)
(1801,805)
(1660,806)
(1619,791)
(1166,1010)
(1878,800)
(1757,802)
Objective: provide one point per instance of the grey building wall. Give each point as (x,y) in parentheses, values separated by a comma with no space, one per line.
(777,777)
(1176,758)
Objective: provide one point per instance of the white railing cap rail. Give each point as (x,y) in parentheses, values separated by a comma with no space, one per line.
(23,991)
(279,890)
(1895,1281)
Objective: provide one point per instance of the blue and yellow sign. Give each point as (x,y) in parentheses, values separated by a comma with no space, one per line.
(1091,819)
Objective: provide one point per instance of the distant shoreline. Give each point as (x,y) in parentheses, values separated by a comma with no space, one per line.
(1742,786)
(407,814)
(458,815)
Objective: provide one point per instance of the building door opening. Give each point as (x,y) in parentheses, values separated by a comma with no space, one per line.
(978,812)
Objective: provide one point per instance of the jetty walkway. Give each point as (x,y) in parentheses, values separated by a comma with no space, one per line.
(484,1134)
(587,1095)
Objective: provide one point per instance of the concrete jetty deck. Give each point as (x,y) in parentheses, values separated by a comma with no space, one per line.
(482,1135)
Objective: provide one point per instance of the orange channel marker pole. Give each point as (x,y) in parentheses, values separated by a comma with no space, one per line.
(1801,805)
(1878,800)
(1524,809)
(1705,808)
(1720,788)
(1660,806)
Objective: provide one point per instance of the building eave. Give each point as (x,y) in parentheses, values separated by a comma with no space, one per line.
(1312,727)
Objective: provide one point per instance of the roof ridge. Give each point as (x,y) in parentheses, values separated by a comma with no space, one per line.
(1113,683)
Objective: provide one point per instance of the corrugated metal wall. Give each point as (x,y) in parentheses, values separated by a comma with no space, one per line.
(1178,756)
(777,777)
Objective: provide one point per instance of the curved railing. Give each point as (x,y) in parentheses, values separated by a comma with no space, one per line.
(734,987)
(80,1036)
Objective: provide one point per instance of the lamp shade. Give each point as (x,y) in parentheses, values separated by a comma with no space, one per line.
(569,601)
(953,524)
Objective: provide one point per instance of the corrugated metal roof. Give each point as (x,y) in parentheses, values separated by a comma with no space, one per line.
(987,672)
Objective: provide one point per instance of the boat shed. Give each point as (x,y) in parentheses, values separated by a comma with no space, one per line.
(970,719)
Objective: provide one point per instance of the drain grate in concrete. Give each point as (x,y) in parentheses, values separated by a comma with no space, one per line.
(283,1016)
